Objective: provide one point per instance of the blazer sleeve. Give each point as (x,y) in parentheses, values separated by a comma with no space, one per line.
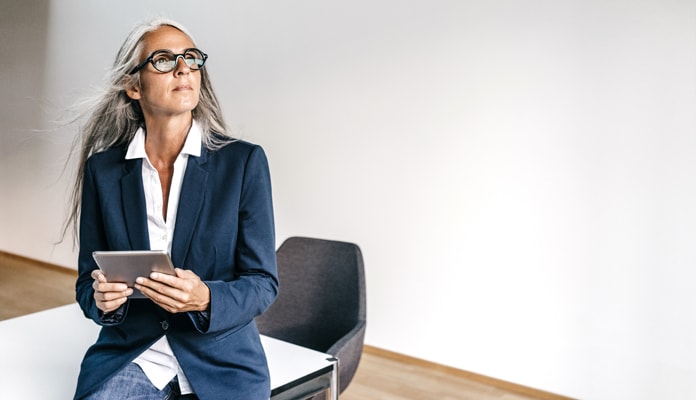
(92,237)
(236,303)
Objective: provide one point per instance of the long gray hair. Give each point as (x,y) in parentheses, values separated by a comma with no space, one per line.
(113,118)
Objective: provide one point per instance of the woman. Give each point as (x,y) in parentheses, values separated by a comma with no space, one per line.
(159,172)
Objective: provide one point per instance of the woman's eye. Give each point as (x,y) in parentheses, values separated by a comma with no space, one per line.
(162,60)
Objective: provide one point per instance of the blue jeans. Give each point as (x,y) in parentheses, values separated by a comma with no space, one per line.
(131,383)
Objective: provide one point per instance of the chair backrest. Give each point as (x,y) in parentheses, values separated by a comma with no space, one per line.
(322,293)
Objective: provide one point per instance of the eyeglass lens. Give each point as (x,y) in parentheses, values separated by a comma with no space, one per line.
(165,60)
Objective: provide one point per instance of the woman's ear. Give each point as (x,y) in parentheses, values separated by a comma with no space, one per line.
(133,91)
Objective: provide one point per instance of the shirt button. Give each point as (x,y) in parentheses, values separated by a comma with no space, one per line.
(165,325)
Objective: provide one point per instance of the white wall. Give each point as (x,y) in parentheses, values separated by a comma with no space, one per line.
(519,174)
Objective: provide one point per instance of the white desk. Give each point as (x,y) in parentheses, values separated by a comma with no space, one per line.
(40,357)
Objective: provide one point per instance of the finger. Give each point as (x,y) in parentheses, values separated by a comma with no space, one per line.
(166,284)
(173,299)
(149,284)
(110,301)
(185,273)
(111,305)
(174,280)
(109,287)
(158,290)
(112,295)
(97,275)
(163,300)
(169,280)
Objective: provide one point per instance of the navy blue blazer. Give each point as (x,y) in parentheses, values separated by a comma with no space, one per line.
(224,233)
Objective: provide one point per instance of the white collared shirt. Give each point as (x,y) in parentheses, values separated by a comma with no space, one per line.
(159,362)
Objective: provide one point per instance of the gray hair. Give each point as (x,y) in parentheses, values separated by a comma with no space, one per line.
(113,118)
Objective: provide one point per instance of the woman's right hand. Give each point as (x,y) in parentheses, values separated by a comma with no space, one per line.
(109,296)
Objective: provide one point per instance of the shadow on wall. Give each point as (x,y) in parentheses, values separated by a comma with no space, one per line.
(23,42)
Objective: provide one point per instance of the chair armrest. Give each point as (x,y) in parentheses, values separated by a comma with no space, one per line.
(348,350)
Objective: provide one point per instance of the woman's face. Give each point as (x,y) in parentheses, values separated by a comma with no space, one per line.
(167,94)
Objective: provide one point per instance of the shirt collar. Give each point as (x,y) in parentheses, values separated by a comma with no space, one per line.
(192,145)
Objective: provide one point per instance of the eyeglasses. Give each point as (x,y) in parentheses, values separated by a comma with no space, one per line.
(166,60)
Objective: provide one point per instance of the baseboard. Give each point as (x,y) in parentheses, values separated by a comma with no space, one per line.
(487,380)
(40,264)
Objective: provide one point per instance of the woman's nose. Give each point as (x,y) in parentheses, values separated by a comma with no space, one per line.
(181,65)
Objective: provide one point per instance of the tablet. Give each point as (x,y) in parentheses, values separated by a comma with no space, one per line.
(125,266)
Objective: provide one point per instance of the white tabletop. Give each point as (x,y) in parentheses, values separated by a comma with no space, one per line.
(40,355)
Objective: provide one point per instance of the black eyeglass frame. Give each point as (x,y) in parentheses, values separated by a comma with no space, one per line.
(150,59)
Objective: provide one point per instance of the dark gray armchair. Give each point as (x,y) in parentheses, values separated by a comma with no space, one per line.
(321,303)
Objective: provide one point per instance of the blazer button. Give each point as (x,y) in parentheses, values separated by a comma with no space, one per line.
(165,325)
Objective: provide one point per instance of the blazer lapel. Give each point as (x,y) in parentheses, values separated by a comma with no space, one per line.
(190,203)
(134,209)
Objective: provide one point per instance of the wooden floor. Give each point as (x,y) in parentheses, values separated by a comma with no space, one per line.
(27,286)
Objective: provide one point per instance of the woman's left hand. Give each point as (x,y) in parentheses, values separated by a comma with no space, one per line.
(181,293)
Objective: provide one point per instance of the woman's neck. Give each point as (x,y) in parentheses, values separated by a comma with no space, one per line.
(164,139)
